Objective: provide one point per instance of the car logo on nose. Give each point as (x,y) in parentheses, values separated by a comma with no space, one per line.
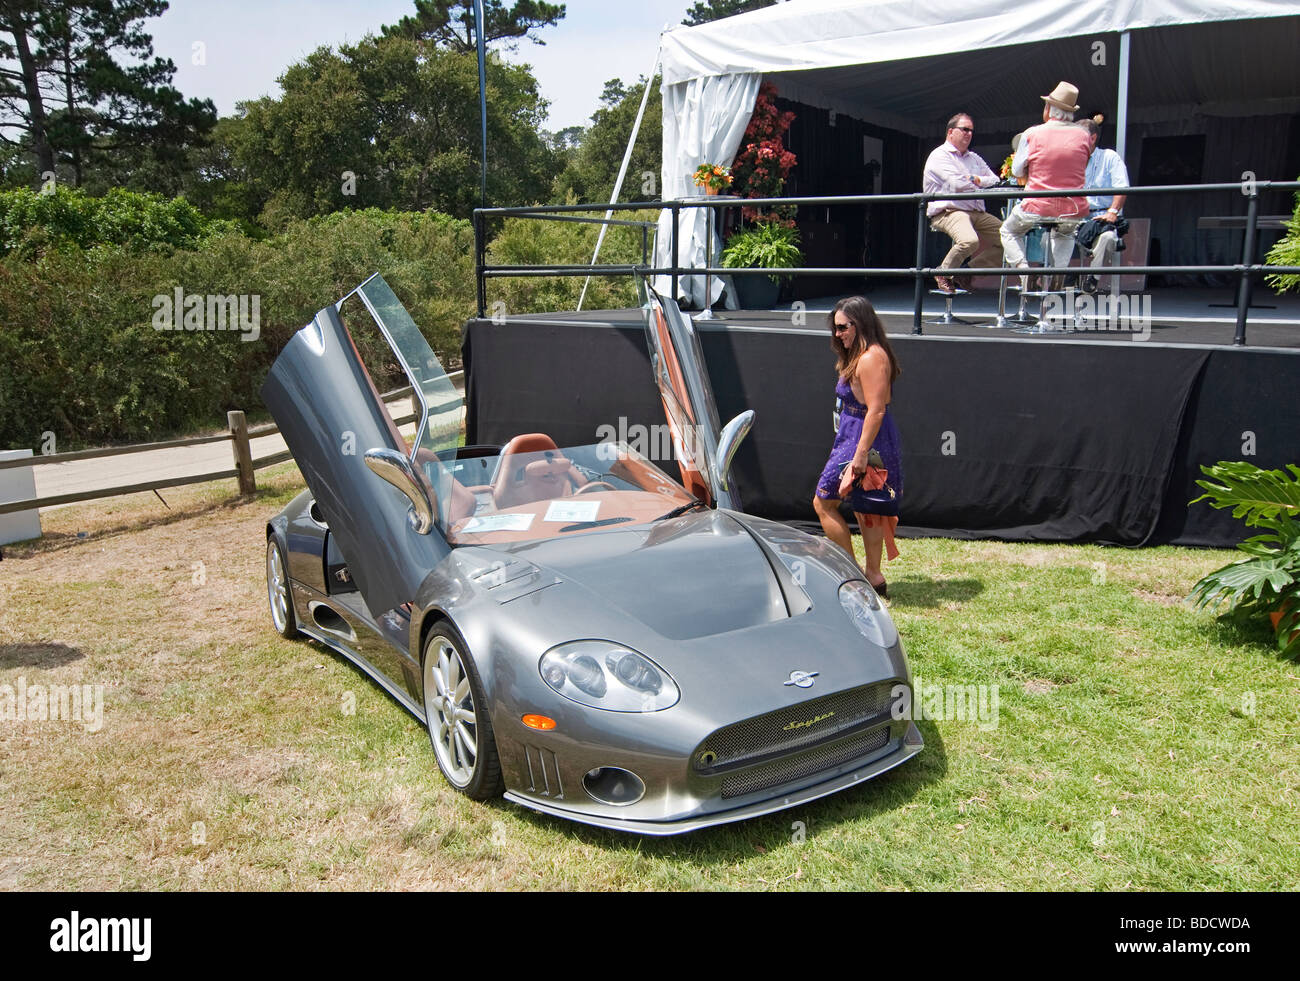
(801,679)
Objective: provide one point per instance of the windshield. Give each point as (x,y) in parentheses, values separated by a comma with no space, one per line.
(531,490)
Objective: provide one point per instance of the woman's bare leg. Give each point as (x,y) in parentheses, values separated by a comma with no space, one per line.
(833,523)
(873,543)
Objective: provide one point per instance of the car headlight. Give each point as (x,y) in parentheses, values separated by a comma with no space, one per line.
(605,675)
(863,606)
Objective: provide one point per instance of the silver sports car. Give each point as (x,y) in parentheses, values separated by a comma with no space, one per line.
(578,630)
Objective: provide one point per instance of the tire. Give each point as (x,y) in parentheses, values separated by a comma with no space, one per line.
(278,594)
(465,748)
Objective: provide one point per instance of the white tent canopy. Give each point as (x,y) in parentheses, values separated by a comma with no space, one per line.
(906,66)
(804,34)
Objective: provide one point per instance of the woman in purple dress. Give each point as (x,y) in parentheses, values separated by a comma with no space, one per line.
(867,369)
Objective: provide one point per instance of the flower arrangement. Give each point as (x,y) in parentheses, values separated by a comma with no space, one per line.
(763,163)
(712,178)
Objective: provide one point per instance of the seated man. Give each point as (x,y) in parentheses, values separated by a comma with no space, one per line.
(1054,157)
(1105,169)
(974,232)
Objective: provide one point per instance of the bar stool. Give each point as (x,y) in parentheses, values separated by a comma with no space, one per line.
(1002,320)
(1038,325)
(948,317)
(1021,319)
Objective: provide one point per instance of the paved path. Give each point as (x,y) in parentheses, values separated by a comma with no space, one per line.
(75,476)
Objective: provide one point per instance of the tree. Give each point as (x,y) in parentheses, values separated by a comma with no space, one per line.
(72,103)
(450,24)
(590,172)
(569,138)
(388,122)
(704,11)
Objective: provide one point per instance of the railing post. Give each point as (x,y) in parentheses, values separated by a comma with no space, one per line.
(480,278)
(1247,260)
(676,212)
(243,452)
(645,245)
(920,262)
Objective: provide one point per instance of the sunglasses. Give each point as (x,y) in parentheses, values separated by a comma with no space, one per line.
(965,129)
(840,328)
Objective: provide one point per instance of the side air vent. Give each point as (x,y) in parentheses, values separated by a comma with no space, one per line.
(327,619)
(543,772)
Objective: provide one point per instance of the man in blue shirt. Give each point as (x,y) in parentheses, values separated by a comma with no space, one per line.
(1105,169)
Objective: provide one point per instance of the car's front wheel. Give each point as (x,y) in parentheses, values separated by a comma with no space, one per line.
(457,715)
(277,590)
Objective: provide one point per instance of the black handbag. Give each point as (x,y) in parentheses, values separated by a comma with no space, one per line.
(871,493)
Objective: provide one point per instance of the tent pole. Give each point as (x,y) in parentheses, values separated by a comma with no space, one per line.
(622,170)
(1121,112)
(1121,136)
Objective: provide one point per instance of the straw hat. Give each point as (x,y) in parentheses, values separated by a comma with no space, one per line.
(1065,97)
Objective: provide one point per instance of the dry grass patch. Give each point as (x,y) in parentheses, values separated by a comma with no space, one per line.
(227,758)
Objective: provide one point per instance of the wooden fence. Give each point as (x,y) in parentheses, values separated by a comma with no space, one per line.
(238,434)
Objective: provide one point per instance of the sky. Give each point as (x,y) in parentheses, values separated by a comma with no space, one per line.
(247,44)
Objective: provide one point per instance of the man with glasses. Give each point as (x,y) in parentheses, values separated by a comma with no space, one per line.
(952,168)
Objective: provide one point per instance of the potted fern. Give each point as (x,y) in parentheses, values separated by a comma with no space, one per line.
(765,245)
(1286,253)
(1266,579)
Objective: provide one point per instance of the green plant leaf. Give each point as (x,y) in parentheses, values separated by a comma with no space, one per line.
(1258,496)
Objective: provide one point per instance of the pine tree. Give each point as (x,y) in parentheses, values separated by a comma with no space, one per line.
(450,24)
(705,11)
(67,98)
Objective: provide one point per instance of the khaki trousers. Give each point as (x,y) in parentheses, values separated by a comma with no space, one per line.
(975,235)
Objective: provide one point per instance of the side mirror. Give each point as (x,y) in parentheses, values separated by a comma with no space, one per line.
(395,468)
(732,435)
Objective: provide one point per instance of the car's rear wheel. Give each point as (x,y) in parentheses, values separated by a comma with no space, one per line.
(277,590)
(457,715)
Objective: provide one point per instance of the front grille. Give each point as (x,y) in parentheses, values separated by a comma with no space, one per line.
(805,764)
(790,729)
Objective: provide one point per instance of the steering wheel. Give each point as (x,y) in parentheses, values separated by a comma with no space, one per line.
(595,485)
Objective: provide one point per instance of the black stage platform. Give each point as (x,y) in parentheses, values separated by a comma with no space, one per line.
(1085,436)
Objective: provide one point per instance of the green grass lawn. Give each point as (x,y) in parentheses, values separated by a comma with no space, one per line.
(1137,744)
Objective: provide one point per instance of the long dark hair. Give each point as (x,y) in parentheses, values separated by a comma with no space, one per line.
(870,331)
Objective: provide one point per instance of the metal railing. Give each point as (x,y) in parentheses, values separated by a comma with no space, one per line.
(1247,270)
(552,213)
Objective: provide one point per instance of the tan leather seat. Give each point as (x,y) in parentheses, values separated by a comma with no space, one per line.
(532,469)
(462,503)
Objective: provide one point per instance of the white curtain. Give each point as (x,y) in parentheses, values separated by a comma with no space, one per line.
(704,121)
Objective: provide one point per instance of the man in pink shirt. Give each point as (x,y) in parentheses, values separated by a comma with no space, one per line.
(1054,156)
(951,167)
